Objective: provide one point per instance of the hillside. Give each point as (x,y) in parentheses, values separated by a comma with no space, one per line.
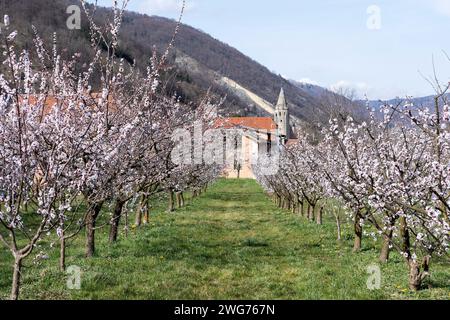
(199,61)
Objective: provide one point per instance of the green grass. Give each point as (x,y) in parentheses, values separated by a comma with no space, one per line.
(232,243)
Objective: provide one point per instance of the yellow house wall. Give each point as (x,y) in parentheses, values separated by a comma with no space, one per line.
(249,147)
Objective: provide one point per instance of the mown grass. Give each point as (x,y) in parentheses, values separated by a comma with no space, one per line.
(232,243)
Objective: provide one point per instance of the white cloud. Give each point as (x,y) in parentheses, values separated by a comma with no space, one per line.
(442,6)
(153,7)
(308,81)
(360,89)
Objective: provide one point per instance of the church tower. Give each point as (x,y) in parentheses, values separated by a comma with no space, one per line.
(282,118)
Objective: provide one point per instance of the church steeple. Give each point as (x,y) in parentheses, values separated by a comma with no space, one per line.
(282,118)
(281,104)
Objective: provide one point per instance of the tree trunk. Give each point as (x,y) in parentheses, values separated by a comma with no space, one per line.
(126,224)
(299,208)
(115,222)
(311,210)
(91,220)
(404,234)
(338,225)
(358,233)
(320,215)
(414,275)
(385,249)
(178,199)
(90,236)
(147,209)
(182,202)
(171,202)
(138,218)
(17,273)
(62,253)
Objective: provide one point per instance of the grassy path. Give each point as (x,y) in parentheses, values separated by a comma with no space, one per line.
(232,243)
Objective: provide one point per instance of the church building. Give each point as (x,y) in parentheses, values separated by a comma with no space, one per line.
(260,134)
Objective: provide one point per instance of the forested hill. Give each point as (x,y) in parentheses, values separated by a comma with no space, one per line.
(200,61)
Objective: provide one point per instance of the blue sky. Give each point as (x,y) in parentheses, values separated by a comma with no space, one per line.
(328,42)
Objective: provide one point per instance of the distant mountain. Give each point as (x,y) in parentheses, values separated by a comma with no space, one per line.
(419,102)
(199,61)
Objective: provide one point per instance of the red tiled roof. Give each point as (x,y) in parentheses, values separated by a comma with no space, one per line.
(50,101)
(258,123)
(33,100)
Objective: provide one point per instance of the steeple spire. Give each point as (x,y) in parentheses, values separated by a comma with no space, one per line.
(281,104)
(281,117)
